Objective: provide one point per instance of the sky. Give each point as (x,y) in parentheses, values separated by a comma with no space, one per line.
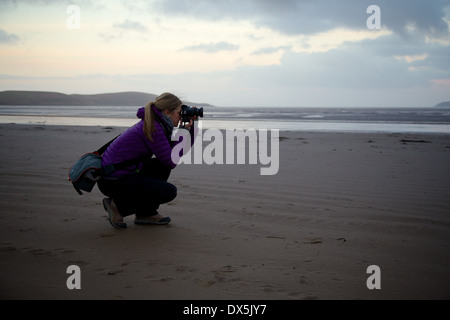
(267,53)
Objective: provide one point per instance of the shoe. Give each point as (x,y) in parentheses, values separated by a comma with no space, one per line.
(155,219)
(114,216)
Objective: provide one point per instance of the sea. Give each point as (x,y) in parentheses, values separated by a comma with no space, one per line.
(331,119)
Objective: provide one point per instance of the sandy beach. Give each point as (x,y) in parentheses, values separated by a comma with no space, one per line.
(340,203)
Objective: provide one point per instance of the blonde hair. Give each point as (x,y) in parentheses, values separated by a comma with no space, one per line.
(166,101)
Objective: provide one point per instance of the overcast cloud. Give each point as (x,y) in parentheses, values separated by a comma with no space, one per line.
(307,17)
(418,30)
(253,52)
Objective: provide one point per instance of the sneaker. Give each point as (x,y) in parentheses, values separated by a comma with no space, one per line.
(114,216)
(155,219)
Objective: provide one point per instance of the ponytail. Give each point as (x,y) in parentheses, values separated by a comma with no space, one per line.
(166,101)
(149,121)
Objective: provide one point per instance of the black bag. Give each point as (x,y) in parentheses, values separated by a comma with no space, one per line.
(85,173)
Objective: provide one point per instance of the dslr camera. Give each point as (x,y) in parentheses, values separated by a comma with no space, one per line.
(188,112)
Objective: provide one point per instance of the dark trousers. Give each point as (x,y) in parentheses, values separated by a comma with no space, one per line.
(141,193)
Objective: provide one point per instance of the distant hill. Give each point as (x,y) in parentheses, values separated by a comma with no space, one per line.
(43,98)
(445,104)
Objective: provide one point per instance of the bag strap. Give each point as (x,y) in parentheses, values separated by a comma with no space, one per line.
(110,168)
(103,148)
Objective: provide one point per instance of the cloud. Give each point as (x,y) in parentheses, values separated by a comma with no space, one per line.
(130,25)
(212,47)
(410,59)
(441,82)
(8,38)
(108,37)
(309,17)
(290,52)
(128,28)
(270,50)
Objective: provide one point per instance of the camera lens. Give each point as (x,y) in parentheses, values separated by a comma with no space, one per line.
(188,112)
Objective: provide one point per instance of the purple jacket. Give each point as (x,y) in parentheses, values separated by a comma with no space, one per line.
(134,144)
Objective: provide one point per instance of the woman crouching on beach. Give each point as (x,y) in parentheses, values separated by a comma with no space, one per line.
(141,188)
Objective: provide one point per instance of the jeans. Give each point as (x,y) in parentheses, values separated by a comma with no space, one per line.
(140,193)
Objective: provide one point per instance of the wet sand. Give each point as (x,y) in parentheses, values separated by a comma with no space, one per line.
(339,203)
